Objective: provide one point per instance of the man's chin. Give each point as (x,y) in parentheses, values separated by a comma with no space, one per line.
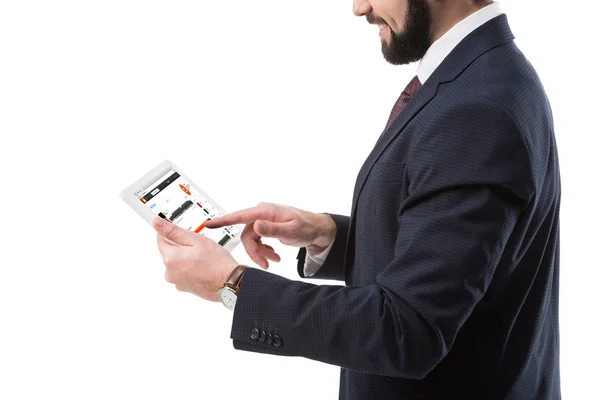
(393,59)
(385,51)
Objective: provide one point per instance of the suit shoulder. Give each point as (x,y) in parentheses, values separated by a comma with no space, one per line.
(468,139)
(506,77)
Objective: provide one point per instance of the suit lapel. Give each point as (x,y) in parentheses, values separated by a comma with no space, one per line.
(416,103)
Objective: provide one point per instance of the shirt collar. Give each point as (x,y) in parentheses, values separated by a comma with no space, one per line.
(440,49)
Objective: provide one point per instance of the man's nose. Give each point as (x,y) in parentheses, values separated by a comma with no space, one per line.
(361,7)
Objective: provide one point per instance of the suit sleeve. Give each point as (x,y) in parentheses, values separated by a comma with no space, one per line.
(470,176)
(333,267)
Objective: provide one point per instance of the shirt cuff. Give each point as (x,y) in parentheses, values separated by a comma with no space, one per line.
(313,262)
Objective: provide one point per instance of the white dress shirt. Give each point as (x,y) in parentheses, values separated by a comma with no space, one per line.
(432,59)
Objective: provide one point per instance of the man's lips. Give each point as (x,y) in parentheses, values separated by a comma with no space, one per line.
(384,28)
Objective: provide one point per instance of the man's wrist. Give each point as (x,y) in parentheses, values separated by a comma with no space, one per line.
(230,289)
(326,231)
(226,274)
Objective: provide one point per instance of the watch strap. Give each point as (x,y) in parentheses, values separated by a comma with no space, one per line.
(236,276)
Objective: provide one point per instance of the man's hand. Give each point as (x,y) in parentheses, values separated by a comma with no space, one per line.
(293,227)
(198,265)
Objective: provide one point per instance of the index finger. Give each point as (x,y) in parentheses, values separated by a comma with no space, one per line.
(247,216)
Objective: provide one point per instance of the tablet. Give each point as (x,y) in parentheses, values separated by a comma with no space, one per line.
(168,193)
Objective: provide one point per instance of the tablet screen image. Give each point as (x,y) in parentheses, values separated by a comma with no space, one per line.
(168,194)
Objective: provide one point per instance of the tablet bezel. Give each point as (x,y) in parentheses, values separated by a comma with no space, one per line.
(129,197)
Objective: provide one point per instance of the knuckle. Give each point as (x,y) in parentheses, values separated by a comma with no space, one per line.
(169,277)
(170,230)
(295,228)
(169,262)
(266,211)
(172,261)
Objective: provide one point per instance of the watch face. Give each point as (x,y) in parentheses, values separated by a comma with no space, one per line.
(228,297)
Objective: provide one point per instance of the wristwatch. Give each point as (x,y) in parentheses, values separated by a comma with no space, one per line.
(230,289)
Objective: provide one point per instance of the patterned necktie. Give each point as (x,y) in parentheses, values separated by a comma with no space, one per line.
(411,89)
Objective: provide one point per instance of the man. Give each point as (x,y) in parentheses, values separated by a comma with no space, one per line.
(451,253)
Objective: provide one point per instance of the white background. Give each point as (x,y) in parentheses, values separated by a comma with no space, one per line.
(287,98)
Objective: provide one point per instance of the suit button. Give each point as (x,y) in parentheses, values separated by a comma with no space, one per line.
(254,335)
(263,336)
(277,341)
(269,339)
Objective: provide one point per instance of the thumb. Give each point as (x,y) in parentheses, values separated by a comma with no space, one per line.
(271,229)
(170,231)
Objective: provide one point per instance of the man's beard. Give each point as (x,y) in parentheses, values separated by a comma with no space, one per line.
(411,44)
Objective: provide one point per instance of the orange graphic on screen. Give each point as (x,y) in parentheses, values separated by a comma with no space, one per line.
(198,229)
(186,190)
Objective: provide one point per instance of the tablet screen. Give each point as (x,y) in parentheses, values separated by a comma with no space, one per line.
(172,198)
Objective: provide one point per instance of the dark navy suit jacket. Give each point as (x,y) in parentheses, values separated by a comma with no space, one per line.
(451,253)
